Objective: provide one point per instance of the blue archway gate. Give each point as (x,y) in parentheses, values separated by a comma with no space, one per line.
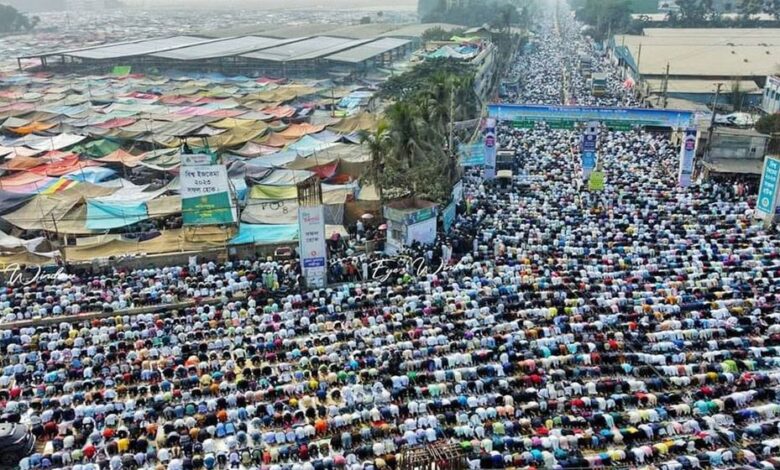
(589,118)
(567,117)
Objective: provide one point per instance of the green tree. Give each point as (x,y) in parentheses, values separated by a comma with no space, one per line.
(11,21)
(772,7)
(416,159)
(737,94)
(378,145)
(694,12)
(749,8)
(769,124)
(437,33)
(606,16)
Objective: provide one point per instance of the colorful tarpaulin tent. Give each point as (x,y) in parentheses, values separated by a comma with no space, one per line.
(251,149)
(265,234)
(300,130)
(97,148)
(10,201)
(282,177)
(106,215)
(94,174)
(359,122)
(32,128)
(308,145)
(63,166)
(121,156)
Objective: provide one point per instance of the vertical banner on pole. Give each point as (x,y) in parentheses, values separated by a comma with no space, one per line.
(768,191)
(687,154)
(490,148)
(588,148)
(311,242)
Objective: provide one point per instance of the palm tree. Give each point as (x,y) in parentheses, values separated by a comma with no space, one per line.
(379,145)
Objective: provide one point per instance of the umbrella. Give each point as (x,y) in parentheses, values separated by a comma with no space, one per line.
(383,227)
(367,216)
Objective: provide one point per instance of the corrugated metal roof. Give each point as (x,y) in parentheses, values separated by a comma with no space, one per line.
(726,55)
(112,51)
(307,49)
(368,51)
(417,30)
(222,48)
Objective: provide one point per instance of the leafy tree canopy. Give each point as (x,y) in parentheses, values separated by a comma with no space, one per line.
(471,12)
(11,21)
(769,124)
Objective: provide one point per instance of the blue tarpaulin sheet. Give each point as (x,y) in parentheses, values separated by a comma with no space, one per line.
(92,174)
(239,185)
(108,215)
(260,234)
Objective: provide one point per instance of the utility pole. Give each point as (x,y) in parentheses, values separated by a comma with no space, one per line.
(638,73)
(638,59)
(452,117)
(666,86)
(712,118)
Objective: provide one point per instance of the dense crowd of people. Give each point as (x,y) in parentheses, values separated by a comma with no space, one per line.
(550,328)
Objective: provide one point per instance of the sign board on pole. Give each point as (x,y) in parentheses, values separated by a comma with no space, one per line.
(190,159)
(490,149)
(687,154)
(471,154)
(448,216)
(588,148)
(596,181)
(311,244)
(768,191)
(205,196)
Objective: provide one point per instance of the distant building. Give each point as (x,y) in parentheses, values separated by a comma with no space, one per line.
(770,104)
(697,59)
(736,151)
(719,6)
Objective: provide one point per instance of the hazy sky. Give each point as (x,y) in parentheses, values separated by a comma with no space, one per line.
(283,4)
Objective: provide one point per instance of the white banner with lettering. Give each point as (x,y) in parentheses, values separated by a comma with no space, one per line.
(313,252)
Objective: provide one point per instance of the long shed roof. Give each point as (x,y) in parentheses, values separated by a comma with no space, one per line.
(129,49)
(222,48)
(307,49)
(368,51)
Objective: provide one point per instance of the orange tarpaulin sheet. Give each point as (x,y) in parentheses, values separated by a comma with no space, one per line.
(275,140)
(32,128)
(25,163)
(22,178)
(280,111)
(121,156)
(62,167)
(20,163)
(296,131)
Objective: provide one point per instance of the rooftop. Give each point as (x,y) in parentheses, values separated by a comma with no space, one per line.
(221,48)
(708,52)
(310,48)
(136,48)
(368,51)
(416,30)
(691,85)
